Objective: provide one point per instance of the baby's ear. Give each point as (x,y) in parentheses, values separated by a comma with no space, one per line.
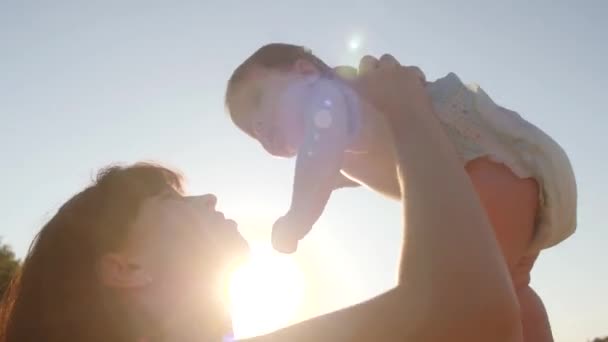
(346,72)
(305,67)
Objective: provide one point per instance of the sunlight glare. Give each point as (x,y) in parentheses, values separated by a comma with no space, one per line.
(266,292)
(354,43)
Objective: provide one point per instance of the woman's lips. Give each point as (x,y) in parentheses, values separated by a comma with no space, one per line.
(230,227)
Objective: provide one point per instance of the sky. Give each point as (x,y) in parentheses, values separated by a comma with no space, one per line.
(84,84)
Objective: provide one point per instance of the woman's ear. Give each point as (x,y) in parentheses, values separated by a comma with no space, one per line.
(117,271)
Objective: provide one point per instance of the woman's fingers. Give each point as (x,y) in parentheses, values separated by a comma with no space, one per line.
(387,60)
(416,70)
(392,88)
(367,64)
(345,72)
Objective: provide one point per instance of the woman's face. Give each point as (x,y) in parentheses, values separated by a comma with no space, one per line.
(179,255)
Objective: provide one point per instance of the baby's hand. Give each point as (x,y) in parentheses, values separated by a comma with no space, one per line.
(283,238)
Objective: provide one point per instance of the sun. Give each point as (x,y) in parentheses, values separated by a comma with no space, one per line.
(354,43)
(266,292)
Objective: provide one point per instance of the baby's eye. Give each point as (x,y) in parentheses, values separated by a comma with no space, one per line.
(257,97)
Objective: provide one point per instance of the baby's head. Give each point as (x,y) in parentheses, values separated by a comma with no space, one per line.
(265,95)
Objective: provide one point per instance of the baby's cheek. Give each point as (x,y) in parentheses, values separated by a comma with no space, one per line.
(293,131)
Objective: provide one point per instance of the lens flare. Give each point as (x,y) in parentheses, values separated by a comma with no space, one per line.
(266,292)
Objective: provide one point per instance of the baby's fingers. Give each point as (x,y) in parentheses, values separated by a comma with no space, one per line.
(418,72)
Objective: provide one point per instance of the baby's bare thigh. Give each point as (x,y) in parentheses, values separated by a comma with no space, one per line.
(511,204)
(534,318)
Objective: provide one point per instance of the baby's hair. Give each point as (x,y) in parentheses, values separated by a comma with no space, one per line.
(274,56)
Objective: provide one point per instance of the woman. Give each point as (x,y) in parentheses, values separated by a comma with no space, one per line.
(132,258)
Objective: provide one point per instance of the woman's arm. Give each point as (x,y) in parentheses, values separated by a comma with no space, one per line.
(454,281)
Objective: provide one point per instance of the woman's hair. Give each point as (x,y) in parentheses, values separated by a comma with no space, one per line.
(57,295)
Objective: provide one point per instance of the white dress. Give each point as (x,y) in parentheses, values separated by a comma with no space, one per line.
(479,127)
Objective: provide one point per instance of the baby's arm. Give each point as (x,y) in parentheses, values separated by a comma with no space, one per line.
(318,166)
(317,171)
(348,74)
(344,182)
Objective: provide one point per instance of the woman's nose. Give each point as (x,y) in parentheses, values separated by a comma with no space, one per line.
(208,201)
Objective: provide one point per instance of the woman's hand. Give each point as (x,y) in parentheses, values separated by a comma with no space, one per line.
(393,89)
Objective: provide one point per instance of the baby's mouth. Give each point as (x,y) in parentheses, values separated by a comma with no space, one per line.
(284,152)
(286,146)
(280,148)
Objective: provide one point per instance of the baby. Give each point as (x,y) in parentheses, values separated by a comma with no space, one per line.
(295,104)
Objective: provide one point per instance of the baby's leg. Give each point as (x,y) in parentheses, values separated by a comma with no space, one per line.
(534,318)
(479,127)
(535,321)
(511,204)
(522,220)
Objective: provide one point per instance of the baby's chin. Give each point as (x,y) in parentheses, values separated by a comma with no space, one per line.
(284,151)
(282,146)
(289,153)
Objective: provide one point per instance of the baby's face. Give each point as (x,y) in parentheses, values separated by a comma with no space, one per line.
(269,106)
